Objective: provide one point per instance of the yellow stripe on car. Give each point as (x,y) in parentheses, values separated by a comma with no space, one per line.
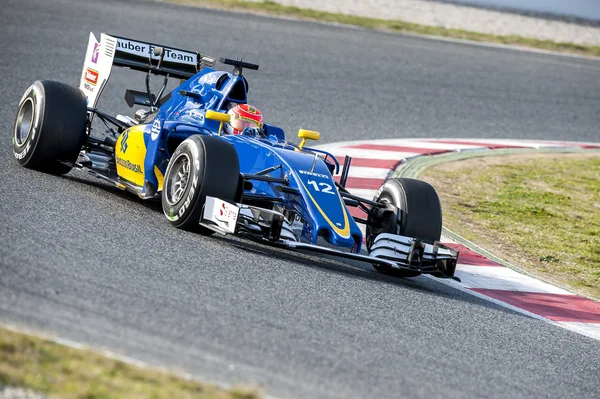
(159,177)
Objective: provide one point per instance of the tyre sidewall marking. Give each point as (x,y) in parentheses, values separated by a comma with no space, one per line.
(191,147)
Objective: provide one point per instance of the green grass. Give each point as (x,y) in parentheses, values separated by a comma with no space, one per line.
(541,212)
(271,7)
(64,372)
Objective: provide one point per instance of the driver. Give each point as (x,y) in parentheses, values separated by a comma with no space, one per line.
(243,116)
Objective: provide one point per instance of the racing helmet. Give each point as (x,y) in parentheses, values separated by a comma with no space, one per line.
(242,117)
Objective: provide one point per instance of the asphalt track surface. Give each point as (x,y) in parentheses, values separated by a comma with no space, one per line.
(88,263)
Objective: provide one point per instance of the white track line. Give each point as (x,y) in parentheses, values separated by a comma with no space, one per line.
(362,192)
(520,143)
(374,154)
(503,278)
(371,173)
(586,329)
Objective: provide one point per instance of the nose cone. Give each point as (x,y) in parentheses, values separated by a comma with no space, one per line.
(332,220)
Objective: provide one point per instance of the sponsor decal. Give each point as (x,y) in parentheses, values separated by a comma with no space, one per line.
(124,142)
(188,200)
(243,118)
(190,196)
(178,56)
(132,47)
(193,186)
(227,215)
(199,115)
(21,155)
(155,132)
(91,76)
(220,212)
(146,49)
(95,53)
(306,172)
(88,87)
(128,165)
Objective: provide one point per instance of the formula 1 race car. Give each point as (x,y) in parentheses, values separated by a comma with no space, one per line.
(255,184)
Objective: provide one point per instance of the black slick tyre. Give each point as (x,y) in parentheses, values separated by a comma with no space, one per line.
(50,126)
(200,166)
(419,214)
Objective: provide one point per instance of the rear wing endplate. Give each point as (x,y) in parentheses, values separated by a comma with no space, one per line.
(137,55)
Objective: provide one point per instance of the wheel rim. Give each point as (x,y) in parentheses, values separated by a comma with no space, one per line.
(386,202)
(24,122)
(389,202)
(178,179)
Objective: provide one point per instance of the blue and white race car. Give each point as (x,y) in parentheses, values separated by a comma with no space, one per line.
(255,184)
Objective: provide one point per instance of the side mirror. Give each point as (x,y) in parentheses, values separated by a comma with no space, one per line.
(218,116)
(307,135)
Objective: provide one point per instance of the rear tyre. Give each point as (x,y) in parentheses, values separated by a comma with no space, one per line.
(50,126)
(200,166)
(419,215)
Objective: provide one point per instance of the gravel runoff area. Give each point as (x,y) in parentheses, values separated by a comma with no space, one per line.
(459,17)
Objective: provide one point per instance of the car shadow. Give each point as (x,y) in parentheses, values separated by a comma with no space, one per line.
(365,272)
(97,183)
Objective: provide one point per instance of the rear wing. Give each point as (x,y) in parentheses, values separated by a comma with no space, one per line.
(177,63)
(137,55)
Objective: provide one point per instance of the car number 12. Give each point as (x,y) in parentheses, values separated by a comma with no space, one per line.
(325,188)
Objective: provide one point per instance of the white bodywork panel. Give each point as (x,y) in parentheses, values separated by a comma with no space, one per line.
(97,66)
(221,213)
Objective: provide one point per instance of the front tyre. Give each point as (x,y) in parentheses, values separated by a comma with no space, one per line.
(50,126)
(419,215)
(200,166)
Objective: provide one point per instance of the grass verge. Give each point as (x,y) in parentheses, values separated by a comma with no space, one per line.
(60,371)
(273,8)
(538,211)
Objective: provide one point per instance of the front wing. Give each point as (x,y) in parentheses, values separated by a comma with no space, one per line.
(270,227)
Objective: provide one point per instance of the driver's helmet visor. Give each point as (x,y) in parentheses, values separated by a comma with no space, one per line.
(240,123)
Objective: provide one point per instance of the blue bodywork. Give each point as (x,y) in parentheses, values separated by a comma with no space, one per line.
(320,206)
